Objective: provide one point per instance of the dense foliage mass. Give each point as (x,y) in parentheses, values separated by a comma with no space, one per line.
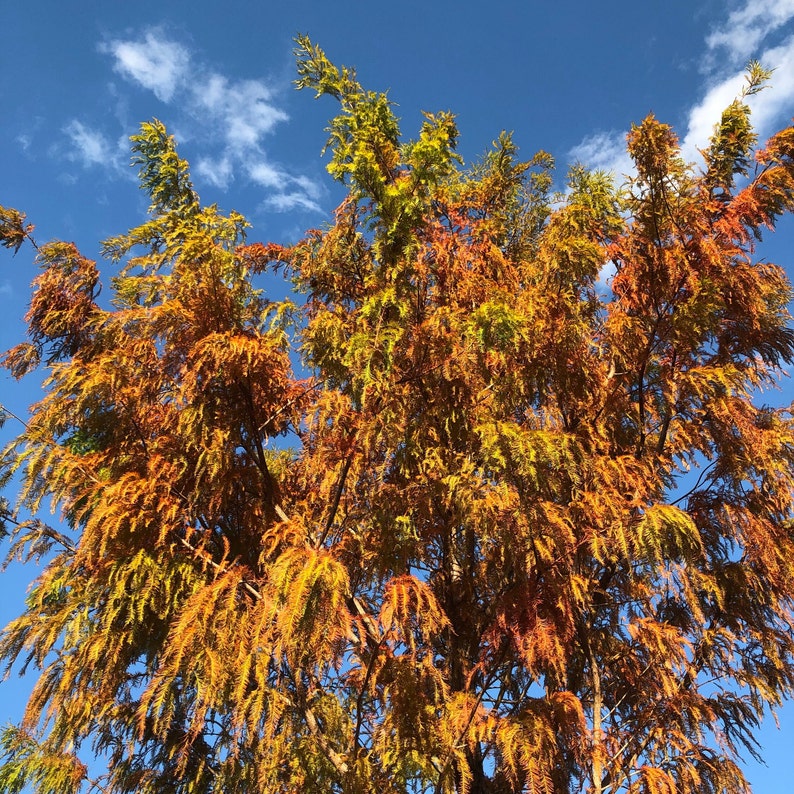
(463,520)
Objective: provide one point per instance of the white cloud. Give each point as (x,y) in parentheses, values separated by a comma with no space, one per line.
(291,192)
(228,119)
(284,202)
(308,186)
(154,62)
(244,108)
(266,175)
(770,108)
(604,151)
(704,115)
(243,112)
(739,38)
(747,27)
(218,172)
(92,148)
(6,288)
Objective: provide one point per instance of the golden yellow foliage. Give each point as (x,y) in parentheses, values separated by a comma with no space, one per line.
(500,533)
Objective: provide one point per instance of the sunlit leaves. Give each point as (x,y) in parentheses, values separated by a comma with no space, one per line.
(13,230)
(163,174)
(509,530)
(37,764)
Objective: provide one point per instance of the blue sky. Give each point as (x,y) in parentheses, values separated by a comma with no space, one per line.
(568,77)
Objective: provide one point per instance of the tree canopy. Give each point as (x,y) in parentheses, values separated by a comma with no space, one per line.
(457,517)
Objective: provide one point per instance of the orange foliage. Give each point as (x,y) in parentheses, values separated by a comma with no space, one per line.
(502,533)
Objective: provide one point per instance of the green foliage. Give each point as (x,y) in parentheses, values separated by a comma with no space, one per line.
(37,765)
(366,150)
(732,144)
(163,174)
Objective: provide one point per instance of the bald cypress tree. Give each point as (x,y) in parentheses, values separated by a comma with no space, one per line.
(499,531)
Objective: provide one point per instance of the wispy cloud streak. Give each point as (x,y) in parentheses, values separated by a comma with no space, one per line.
(748,26)
(229,120)
(91,147)
(155,62)
(605,151)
